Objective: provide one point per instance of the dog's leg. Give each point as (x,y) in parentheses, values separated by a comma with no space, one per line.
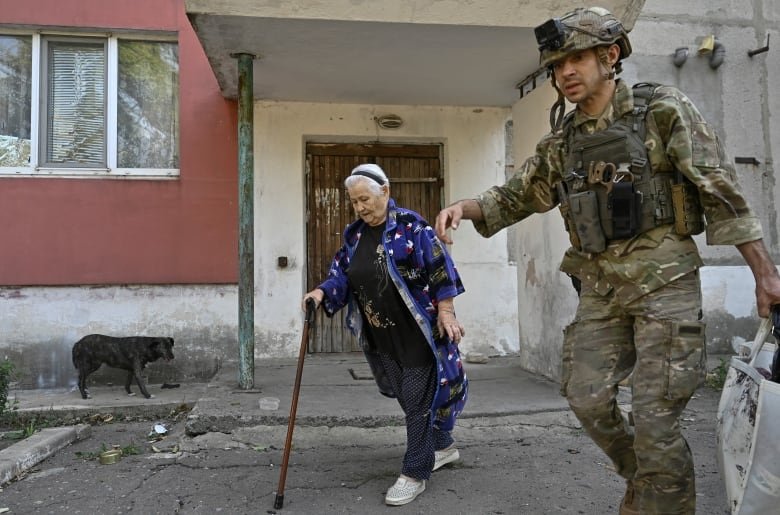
(137,372)
(83,384)
(128,380)
(85,370)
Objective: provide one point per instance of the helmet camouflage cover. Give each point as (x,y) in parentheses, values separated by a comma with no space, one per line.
(580,29)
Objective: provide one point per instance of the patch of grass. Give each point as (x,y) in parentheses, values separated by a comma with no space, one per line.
(88,456)
(6,375)
(18,430)
(13,435)
(28,424)
(29,429)
(130,449)
(716,378)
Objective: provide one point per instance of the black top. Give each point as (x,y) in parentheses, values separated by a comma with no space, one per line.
(389,324)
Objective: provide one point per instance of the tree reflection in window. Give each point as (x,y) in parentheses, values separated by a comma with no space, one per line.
(15,99)
(147,111)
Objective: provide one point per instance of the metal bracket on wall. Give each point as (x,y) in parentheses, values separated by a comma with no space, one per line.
(531,82)
(761,50)
(747,161)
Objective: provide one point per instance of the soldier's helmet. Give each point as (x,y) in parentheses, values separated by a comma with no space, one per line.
(580,29)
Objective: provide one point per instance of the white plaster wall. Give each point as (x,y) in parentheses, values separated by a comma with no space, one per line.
(739,99)
(474,145)
(546,299)
(40,326)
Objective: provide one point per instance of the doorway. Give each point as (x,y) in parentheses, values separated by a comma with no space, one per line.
(415,183)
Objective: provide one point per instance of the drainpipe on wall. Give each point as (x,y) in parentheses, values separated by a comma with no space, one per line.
(246,226)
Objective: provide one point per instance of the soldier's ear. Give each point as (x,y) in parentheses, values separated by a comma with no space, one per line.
(613,54)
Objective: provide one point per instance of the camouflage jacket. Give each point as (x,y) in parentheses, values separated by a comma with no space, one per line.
(678,138)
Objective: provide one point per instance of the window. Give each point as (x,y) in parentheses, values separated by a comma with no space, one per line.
(74,95)
(15,100)
(87,105)
(148,87)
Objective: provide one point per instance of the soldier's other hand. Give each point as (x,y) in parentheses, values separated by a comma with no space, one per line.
(767,294)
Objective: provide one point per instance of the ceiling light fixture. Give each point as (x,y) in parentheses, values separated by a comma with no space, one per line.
(389,121)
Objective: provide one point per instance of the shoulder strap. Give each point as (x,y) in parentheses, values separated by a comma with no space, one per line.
(644,90)
(567,127)
(643,93)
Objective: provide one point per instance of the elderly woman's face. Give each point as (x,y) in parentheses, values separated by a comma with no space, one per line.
(369,206)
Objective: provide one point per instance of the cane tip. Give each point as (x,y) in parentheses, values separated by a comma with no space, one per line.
(279,502)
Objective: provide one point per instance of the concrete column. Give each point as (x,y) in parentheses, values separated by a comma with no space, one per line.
(246,227)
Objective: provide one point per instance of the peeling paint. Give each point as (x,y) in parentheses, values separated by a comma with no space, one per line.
(530,273)
(11,293)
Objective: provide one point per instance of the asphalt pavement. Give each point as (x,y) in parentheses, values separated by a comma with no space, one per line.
(336,390)
(337,395)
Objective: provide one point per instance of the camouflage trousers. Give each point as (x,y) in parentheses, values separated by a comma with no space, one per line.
(658,340)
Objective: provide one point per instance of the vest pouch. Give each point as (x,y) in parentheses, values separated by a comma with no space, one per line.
(584,211)
(624,204)
(688,217)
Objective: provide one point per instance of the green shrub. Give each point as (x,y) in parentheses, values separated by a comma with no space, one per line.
(6,374)
(717,377)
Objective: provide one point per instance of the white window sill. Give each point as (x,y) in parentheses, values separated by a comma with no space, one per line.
(91,173)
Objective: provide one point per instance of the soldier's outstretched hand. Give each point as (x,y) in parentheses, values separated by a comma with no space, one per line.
(448,217)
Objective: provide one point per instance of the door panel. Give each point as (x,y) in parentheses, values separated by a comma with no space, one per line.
(415,183)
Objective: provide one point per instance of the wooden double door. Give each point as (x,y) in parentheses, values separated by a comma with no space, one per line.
(415,183)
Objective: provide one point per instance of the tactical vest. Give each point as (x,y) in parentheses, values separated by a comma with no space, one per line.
(609,190)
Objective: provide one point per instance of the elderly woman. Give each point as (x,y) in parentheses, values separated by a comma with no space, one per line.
(399,283)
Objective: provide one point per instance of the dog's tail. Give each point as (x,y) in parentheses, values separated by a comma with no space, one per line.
(74,353)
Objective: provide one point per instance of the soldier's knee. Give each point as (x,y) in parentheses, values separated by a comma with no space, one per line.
(682,366)
(591,407)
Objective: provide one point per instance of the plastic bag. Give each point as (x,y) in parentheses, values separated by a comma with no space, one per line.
(747,424)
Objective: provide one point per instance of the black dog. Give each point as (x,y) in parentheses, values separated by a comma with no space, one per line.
(131,354)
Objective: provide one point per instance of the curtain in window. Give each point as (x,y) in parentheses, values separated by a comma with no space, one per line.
(76,104)
(15,99)
(148,105)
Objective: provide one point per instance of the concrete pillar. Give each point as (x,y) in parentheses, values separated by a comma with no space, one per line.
(246,227)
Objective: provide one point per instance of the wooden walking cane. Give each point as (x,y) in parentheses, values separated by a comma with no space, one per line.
(310,309)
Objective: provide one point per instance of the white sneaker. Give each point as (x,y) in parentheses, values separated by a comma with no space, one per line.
(445,456)
(404,491)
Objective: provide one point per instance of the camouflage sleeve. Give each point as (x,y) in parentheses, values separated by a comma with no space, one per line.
(528,191)
(693,147)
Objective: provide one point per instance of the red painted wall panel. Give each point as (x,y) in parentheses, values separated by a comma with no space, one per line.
(104,231)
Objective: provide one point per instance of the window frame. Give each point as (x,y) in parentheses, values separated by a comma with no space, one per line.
(37,168)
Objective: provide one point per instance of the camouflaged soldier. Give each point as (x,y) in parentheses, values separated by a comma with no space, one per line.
(635,172)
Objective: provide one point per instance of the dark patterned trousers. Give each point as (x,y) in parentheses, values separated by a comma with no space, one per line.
(414,388)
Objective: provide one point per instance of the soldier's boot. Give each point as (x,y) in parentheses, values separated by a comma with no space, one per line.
(630,503)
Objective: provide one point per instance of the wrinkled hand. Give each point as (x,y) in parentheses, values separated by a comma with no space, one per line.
(449,325)
(316,295)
